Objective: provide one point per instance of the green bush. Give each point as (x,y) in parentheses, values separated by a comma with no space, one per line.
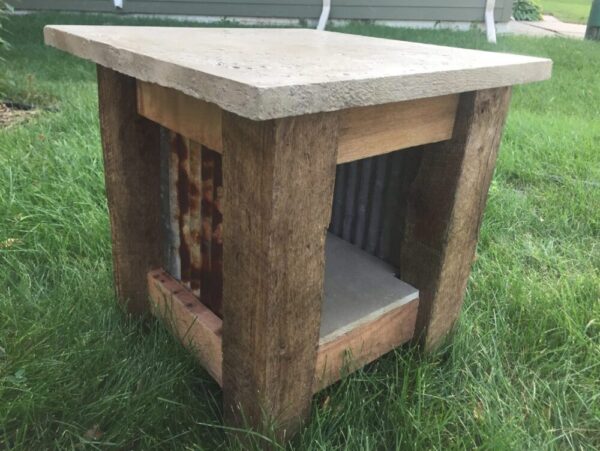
(527,10)
(5,8)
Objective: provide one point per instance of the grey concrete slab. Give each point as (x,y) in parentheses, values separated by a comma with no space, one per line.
(270,73)
(359,288)
(549,26)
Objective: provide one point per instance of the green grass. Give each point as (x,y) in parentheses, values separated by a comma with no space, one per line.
(524,368)
(576,11)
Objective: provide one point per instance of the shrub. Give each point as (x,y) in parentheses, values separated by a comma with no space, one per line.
(5,8)
(527,10)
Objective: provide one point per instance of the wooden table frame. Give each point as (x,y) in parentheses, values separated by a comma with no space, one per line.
(274,266)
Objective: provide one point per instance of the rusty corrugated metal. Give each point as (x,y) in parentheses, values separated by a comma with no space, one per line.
(174,238)
(206,208)
(191,204)
(181,148)
(165,210)
(368,210)
(211,240)
(195,217)
(217,238)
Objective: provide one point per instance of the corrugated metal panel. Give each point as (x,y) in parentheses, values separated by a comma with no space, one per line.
(459,10)
(191,212)
(369,201)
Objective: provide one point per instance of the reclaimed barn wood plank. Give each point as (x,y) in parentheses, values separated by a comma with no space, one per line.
(367,312)
(375,130)
(278,177)
(445,208)
(364,131)
(193,118)
(198,328)
(364,343)
(131,147)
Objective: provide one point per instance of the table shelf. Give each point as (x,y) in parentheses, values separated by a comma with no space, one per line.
(367,311)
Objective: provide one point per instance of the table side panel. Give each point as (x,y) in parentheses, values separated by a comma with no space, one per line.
(364,131)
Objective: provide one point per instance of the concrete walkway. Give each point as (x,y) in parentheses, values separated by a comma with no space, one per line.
(549,26)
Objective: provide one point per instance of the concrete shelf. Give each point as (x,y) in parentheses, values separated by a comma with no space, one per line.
(367,311)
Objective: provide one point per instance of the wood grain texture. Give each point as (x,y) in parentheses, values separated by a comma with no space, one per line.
(131,147)
(364,344)
(198,329)
(193,118)
(364,132)
(278,179)
(375,130)
(444,211)
(339,352)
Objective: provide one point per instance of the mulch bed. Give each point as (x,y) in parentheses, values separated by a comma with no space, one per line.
(12,113)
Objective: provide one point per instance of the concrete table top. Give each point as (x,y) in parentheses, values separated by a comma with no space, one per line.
(269,73)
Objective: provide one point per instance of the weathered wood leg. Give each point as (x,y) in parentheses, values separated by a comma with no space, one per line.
(132,172)
(278,180)
(444,211)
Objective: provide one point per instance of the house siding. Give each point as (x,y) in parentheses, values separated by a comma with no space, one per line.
(450,10)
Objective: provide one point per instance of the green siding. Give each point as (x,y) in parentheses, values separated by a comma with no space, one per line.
(454,10)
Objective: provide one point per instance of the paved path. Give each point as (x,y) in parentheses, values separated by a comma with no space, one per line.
(549,26)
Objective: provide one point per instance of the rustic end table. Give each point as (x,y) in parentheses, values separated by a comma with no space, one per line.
(261,203)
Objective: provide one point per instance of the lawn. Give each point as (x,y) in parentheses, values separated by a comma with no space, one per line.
(523,371)
(576,11)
